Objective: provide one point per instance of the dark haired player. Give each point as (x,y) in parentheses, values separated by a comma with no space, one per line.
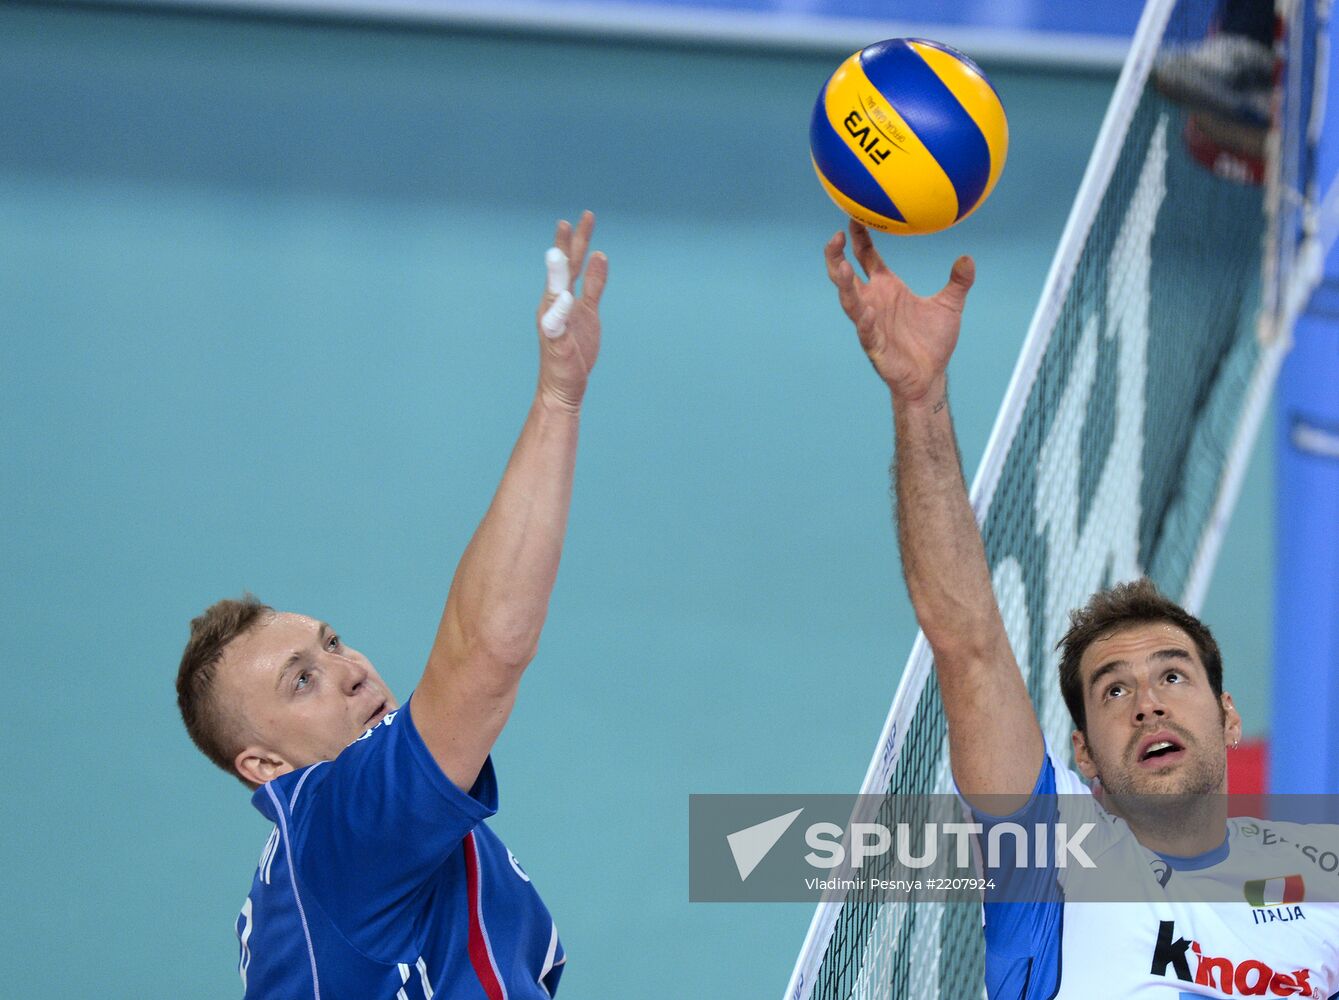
(1143,681)
(381,878)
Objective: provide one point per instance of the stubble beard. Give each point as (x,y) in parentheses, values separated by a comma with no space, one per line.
(1165,801)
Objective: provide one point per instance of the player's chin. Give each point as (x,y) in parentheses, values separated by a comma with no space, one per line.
(1169,784)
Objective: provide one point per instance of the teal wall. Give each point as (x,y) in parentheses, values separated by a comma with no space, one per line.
(266,300)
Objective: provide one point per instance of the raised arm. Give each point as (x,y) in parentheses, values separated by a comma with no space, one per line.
(994,740)
(500,594)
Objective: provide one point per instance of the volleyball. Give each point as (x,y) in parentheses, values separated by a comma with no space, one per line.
(908,136)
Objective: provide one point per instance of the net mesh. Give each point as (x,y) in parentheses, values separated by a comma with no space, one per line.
(1110,457)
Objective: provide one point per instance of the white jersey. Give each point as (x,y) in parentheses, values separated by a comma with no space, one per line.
(1256,916)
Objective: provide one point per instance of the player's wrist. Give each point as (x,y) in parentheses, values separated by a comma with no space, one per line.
(559,401)
(930,396)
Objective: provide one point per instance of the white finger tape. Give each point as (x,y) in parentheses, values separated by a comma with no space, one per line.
(554,320)
(559,276)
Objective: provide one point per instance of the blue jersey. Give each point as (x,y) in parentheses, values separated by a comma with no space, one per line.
(381,880)
(1253,917)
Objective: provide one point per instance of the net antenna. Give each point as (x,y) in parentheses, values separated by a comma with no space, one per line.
(1191,248)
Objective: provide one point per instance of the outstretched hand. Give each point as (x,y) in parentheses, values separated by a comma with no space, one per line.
(908,339)
(569,324)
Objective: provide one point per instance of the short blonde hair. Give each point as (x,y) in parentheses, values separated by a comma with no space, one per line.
(211,726)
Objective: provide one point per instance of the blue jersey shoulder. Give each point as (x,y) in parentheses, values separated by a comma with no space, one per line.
(381,878)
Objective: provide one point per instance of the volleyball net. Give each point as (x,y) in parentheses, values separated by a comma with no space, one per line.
(1121,442)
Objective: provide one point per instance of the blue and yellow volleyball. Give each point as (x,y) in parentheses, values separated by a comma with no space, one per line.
(908,136)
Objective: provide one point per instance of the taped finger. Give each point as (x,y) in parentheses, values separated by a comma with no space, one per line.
(554,320)
(559,275)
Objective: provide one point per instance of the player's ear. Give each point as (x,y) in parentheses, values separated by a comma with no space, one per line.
(1231,720)
(1082,757)
(257,764)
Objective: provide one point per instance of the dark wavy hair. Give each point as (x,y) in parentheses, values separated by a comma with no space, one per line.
(1107,611)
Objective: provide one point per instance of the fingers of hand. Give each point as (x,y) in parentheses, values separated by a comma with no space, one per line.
(581,240)
(848,288)
(560,277)
(592,286)
(571,244)
(866,326)
(863,246)
(841,274)
(834,254)
(964,272)
(954,294)
(554,320)
(562,236)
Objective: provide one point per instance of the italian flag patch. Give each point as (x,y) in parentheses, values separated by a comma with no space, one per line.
(1275,891)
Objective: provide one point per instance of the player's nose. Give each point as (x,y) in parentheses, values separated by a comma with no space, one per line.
(1147,705)
(355,675)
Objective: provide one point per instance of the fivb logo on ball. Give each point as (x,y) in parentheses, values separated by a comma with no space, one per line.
(908,136)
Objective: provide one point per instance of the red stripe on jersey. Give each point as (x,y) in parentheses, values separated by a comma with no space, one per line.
(480,954)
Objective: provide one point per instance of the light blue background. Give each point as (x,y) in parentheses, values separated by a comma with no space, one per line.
(266,300)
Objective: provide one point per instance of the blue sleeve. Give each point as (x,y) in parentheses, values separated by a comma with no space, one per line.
(371,827)
(1024,925)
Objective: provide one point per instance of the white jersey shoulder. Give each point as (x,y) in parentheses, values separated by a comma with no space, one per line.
(1257,917)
